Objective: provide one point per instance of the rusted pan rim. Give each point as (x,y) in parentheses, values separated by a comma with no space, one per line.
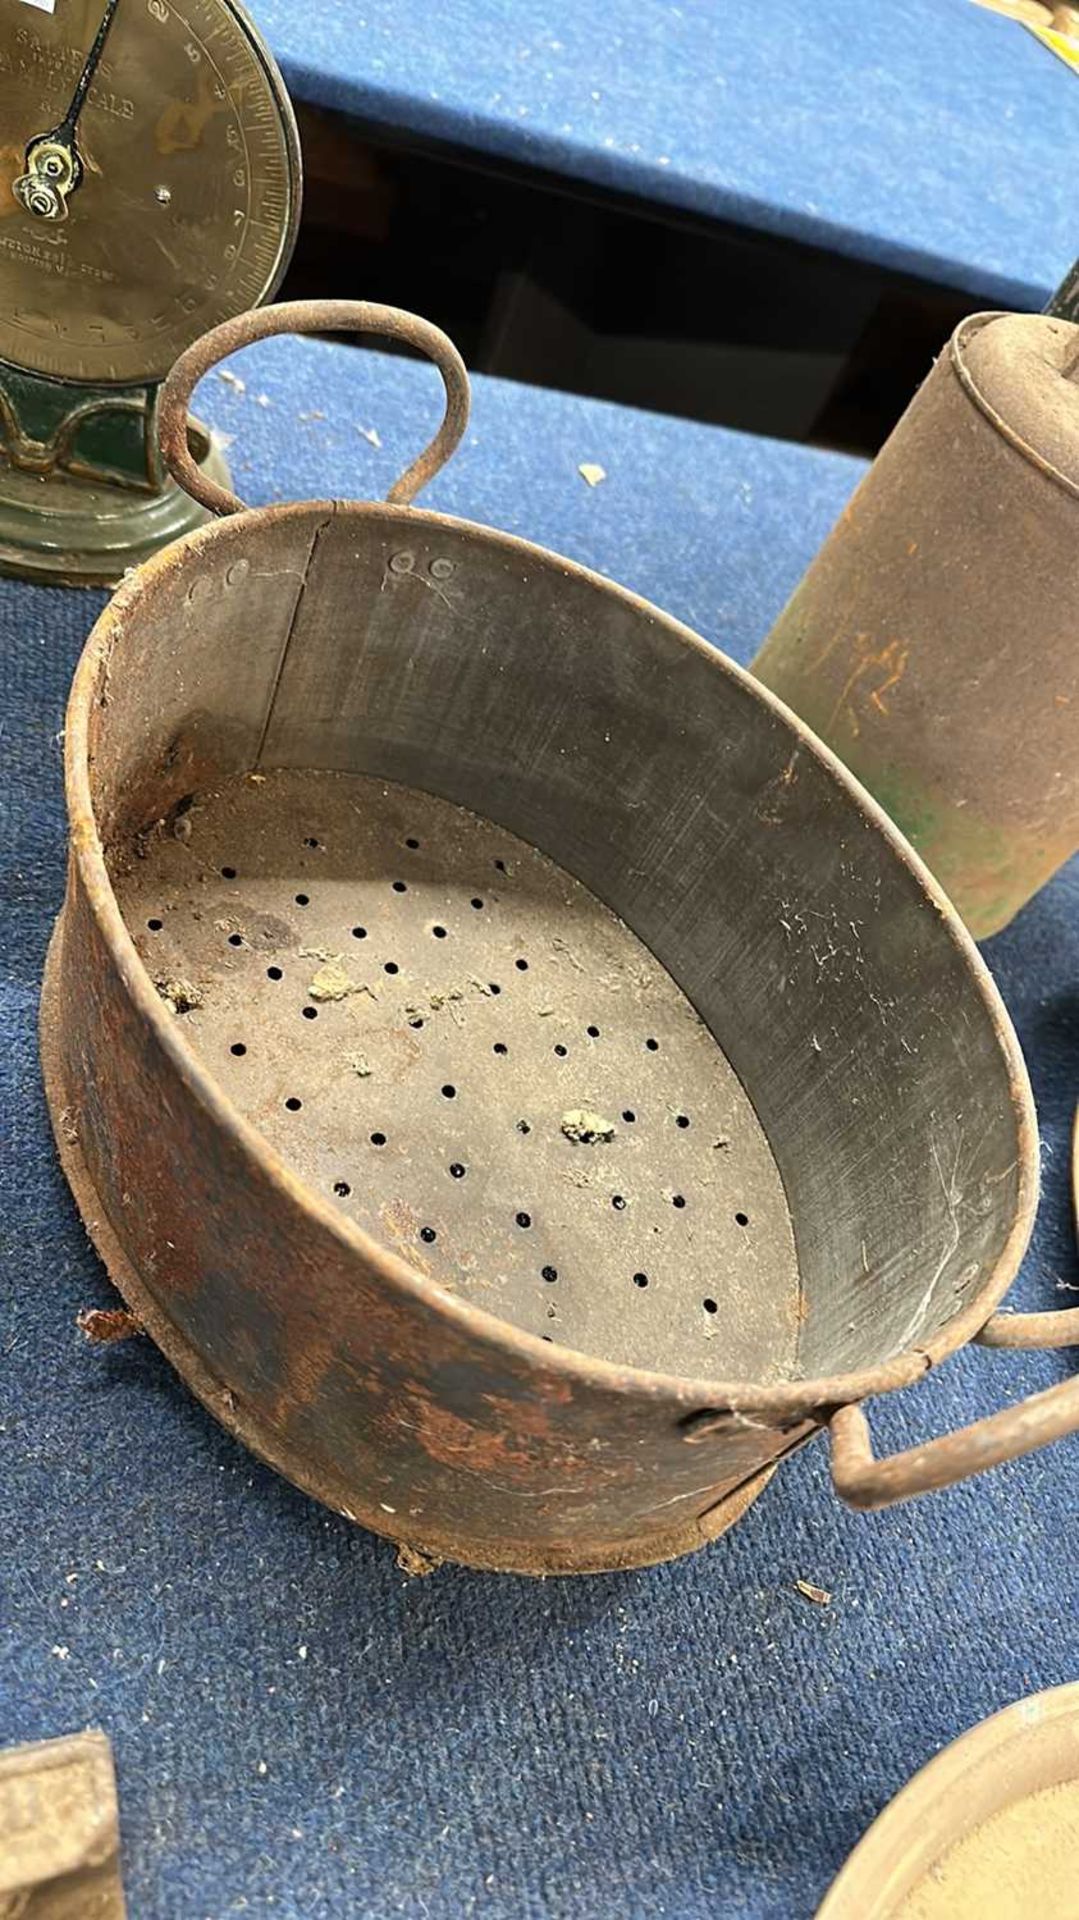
(1021,1751)
(781,1401)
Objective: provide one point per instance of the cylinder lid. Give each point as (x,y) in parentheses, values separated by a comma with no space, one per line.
(1018,368)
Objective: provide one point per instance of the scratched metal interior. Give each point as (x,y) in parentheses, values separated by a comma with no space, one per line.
(410,1003)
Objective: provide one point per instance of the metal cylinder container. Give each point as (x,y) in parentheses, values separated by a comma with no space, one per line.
(934,640)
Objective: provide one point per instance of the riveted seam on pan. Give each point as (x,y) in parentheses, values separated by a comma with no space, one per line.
(286,644)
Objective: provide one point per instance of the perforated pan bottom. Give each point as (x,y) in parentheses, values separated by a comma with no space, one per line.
(424,1016)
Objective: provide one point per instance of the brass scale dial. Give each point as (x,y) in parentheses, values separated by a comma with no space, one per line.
(149,188)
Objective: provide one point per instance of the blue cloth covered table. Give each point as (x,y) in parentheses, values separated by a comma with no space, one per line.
(928,136)
(300,1729)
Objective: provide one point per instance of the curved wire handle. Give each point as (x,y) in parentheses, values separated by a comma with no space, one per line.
(310,316)
(864,1481)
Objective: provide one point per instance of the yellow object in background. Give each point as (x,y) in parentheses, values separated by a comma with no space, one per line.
(1057,27)
(1064,45)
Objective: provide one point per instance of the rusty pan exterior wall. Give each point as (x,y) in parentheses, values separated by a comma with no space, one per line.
(333,1365)
(410,1410)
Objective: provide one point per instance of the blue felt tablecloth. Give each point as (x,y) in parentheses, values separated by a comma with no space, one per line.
(301,1730)
(925,135)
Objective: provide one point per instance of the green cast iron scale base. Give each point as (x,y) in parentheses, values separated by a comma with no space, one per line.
(149,189)
(83,491)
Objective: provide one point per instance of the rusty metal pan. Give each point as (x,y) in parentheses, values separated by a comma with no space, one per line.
(520,1079)
(990,1827)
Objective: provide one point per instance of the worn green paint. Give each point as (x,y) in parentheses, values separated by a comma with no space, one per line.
(987,872)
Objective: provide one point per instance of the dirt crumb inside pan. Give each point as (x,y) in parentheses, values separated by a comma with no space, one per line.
(488,1071)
